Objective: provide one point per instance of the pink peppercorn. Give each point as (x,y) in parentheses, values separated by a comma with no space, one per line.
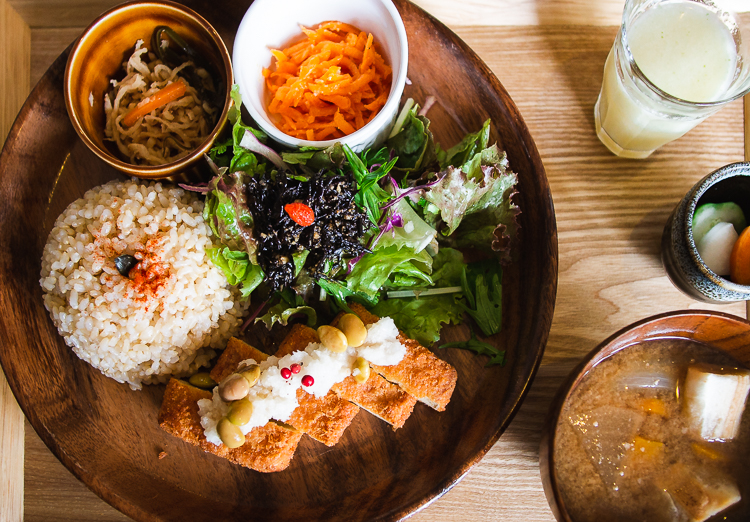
(286,373)
(307,380)
(296,368)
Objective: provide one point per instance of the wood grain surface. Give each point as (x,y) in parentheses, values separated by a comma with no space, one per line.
(610,215)
(15,51)
(68,13)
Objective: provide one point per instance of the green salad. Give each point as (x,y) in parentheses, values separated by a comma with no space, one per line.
(308,232)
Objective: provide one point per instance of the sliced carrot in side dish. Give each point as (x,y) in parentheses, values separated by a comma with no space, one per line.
(739,262)
(171,92)
(328,85)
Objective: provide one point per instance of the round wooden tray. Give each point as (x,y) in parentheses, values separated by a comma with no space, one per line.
(108,436)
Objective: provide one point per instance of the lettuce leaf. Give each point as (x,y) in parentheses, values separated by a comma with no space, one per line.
(227,214)
(472,206)
(422,318)
(237,268)
(414,234)
(413,144)
(481,348)
(315,159)
(340,293)
(374,271)
(289,305)
(482,286)
(480,183)
(229,154)
(462,152)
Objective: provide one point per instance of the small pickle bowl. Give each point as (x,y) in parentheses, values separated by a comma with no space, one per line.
(593,440)
(274,24)
(684,266)
(98,56)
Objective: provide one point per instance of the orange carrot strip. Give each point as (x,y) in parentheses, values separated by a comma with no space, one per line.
(367,55)
(327,85)
(340,101)
(171,92)
(343,125)
(325,133)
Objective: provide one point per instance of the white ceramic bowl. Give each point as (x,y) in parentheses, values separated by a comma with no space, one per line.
(272,24)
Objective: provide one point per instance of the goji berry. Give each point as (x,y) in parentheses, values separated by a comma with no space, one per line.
(300,214)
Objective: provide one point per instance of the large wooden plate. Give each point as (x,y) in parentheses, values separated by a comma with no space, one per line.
(107,435)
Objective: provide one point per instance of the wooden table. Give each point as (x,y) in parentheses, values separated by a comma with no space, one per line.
(549,55)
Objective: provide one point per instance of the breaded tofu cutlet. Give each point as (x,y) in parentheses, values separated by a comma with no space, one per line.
(266,449)
(383,399)
(420,373)
(390,393)
(323,418)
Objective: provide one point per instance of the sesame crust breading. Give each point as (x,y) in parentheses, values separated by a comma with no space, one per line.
(267,448)
(420,373)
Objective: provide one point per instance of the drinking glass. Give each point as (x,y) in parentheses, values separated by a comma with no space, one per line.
(697,56)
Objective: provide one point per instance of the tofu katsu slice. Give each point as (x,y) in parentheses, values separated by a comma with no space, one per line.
(383,399)
(420,373)
(230,359)
(323,418)
(267,448)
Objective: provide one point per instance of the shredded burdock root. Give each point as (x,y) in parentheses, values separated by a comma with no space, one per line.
(169,131)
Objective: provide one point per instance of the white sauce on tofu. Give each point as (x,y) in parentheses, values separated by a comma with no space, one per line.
(382,346)
(275,397)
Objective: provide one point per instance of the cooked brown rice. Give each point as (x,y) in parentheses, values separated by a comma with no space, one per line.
(171,310)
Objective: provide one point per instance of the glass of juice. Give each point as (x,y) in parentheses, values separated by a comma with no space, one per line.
(673,64)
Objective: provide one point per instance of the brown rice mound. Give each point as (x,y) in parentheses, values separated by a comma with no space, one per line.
(173,308)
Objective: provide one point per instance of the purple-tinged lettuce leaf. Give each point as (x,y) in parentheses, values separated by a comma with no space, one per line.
(251,142)
(481,183)
(227,214)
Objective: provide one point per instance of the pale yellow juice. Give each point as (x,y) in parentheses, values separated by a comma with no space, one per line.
(686,51)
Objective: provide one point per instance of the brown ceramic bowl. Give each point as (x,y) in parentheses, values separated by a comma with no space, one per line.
(725,332)
(98,56)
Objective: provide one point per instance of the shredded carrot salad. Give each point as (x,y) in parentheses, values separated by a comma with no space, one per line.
(328,85)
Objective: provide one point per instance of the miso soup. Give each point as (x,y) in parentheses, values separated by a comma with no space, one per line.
(641,439)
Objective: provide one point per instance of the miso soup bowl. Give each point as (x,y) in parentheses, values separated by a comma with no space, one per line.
(679,254)
(98,55)
(273,24)
(725,332)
